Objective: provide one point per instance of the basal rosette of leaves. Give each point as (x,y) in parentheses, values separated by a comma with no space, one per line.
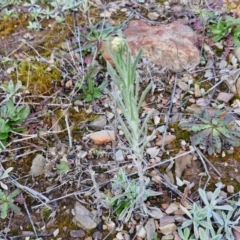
(124,196)
(222,28)
(12,114)
(213,218)
(213,131)
(11,117)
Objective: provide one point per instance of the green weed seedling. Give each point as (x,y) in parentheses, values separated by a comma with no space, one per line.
(125,93)
(10,119)
(11,89)
(185,234)
(213,131)
(34,25)
(125,196)
(4,175)
(7,201)
(127,81)
(212,206)
(7,14)
(99,33)
(223,28)
(66,5)
(212,221)
(48,13)
(5,3)
(11,116)
(197,219)
(62,167)
(90,91)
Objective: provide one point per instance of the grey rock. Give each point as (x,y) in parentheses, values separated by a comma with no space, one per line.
(119,155)
(84,218)
(77,233)
(101,121)
(161,129)
(183,86)
(38,165)
(150,228)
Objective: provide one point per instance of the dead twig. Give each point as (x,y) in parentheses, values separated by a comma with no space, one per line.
(168,114)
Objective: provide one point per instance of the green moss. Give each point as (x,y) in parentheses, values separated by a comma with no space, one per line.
(38,77)
(118,17)
(218,51)
(205,85)
(9,26)
(75,118)
(22,166)
(180,133)
(161,1)
(46,213)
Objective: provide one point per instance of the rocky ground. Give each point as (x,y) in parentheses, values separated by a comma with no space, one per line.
(66,159)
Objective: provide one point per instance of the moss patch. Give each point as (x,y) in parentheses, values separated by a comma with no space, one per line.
(9,26)
(37,76)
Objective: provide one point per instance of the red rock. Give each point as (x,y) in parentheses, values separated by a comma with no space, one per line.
(236,234)
(164,206)
(168,139)
(181,163)
(168,45)
(101,137)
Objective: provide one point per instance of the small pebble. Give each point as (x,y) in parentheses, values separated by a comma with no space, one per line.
(77,233)
(192,100)
(230,189)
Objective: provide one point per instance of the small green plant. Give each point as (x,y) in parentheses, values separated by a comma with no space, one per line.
(4,175)
(124,196)
(34,15)
(213,131)
(212,206)
(185,234)
(7,202)
(125,93)
(98,33)
(213,221)
(155,236)
(7,14)
(14,115)
(35,25)
(126,80)
(90,91)
(62,167)
(32,6)
(197,219)
(223,28)
(11,90)
(59,19)
(66,5)
(5,3)
(47,13)
(11,116)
